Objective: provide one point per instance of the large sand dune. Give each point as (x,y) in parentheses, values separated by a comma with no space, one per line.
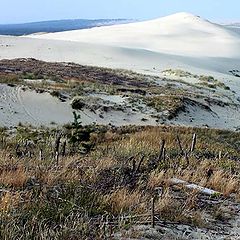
(178,34)
(177,41)
(180,41)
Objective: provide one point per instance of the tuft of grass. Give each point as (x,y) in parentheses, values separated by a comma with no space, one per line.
(15,178)
(10,78)
(164,103)
(124,201)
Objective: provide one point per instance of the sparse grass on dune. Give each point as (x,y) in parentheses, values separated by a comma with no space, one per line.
(9,78)
(115,177)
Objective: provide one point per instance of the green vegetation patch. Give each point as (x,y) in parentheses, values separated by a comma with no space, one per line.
(9,78)
(207,81)
(211,82)
(179,73)
(165,103)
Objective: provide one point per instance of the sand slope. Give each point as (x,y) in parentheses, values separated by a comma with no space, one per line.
(17,105)
(178,41)
(179,34)
(181,41)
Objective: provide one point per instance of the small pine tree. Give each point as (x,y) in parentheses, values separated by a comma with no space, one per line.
(77,120)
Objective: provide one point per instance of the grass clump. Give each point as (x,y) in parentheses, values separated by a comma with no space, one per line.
(179,73)
(164,103)
(211,82)
(10,78)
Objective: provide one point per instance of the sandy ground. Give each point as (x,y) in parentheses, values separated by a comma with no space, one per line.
(178,34)
(17,105)
(178,41)
(181,41)
(140,60)
(28,107)
(220,117)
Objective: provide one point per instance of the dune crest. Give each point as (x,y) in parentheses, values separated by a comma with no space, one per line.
(180,34)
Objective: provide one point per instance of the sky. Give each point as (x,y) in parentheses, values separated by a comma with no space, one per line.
(19,11)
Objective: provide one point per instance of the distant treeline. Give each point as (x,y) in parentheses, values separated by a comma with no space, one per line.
(56,26)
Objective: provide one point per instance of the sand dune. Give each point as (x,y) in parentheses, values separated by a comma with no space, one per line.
(177,41)
(179,34)
(180,41)
(17,105)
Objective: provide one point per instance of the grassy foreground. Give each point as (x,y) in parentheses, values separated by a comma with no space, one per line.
(64,183)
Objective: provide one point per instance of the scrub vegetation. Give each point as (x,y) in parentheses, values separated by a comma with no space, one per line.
(79,182)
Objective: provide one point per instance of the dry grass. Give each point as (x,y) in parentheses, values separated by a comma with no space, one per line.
(163,103)
(224,183)
(156,179)
(149,140)
(15,178)
(102,182)
(124,201)
(9,201)
(177,211)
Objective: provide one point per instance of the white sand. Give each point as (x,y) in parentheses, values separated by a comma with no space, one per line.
(28,107)
(181,41)
(178,34)
(178,41)
(19,106)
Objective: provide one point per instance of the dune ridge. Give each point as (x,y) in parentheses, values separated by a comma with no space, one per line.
(180,34)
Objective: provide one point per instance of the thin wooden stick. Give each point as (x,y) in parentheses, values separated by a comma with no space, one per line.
(64,148)
(220,155)
(153,213)
(57,158)
(164,155)
(134,165)
(140,163)
(161,150)
(41,155)
(194,140)
(180,145)
(57,143)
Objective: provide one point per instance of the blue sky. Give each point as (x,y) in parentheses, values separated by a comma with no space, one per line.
(16,11)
